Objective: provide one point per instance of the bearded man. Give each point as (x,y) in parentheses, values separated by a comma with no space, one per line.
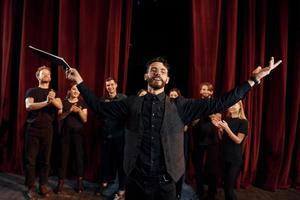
(154,125)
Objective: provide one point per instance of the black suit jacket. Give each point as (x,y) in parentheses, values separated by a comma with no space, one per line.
(177,113)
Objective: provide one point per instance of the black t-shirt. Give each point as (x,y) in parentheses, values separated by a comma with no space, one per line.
(113,128)
(232,152)
(41,118)
(73,120)
(204,132)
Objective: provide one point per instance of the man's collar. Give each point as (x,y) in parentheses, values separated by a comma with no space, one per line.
(160,97)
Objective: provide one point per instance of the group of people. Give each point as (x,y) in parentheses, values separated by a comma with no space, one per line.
(143,135)
(210,136)
(43,108)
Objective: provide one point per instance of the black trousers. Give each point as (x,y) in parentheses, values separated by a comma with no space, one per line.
(38,143)
(71,144)
(231,171)
(112,156)
(141,188)
(212,167)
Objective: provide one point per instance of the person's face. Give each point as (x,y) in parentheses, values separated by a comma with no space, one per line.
(173,94)
(235,108)
(74,92)
(111,86)
(205,92)
(157,76)
(44,76)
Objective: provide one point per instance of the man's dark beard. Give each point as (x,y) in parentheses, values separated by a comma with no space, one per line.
(155,86)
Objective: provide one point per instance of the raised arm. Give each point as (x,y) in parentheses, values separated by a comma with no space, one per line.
(112,110)
(259,73)
(196,108)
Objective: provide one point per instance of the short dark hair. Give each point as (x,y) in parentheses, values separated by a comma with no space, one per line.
(110,79)
(160,59)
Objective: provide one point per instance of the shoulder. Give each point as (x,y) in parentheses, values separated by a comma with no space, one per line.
(244,121)
(122,96)
(31,92)
(82,102)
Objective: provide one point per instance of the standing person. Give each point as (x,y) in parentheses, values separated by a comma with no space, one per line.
(205,139)
(74,115)
(235,128)
(154,159)
(173,94)
(42,106)
(112,147)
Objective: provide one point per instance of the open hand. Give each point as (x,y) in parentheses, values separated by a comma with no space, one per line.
(260,72)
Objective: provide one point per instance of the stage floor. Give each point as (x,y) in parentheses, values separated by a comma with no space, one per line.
(12,188)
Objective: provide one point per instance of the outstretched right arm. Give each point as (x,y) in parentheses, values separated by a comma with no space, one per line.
(112,110)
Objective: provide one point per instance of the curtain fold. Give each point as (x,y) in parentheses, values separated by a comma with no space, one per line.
(247,38)
(92,36)
(228,39)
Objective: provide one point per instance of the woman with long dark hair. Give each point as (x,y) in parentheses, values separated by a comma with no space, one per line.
(74,115)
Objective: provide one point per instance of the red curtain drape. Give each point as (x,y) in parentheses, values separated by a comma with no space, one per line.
(92,36)
(228,39)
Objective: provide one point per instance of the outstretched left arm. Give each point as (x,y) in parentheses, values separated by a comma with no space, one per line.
(260,72)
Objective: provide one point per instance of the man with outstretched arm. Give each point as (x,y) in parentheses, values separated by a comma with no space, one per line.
(153,155)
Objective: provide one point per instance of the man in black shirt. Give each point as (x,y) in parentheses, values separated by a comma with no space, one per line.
(112,147)
(205,139)
(154,158)
(42,107)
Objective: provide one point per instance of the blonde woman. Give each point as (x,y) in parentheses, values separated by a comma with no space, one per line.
(235,129)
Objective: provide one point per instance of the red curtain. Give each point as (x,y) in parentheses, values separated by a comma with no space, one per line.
(230,38)
(91,35)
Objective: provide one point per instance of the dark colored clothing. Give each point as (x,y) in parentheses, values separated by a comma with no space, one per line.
(112,157)
(205,138)
(38,139)
(176,114)
(37,153)
(41,118)
(186,142)
(150,190)
(204,132)
(231,172)
(73,120)
(233,152)
(150,160)
(212,168)
(112,147)
(232,155)
(71,139)
(112,128)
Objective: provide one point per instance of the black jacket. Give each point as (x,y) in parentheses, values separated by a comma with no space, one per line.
(177,113)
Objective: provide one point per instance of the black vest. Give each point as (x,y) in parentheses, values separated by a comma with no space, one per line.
(171,138)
